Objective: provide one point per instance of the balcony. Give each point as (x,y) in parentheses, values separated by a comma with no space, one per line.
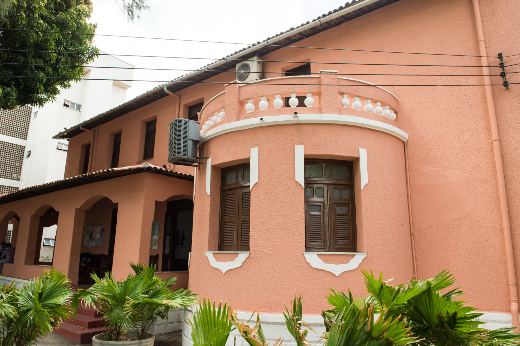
(323,98)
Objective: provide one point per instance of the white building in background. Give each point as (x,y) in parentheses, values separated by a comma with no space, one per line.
(45,157)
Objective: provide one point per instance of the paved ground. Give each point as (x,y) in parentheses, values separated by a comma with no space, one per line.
(169,339)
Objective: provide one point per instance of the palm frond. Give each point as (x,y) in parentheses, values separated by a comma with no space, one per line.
(211,326)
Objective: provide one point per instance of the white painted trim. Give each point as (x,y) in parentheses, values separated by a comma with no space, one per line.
(363,167)
(348,120)
(208,175)
(299,164)
(211,99)
(225,266)
(14,140)
(194,181)
(9,182)
(253,166)
(362,81)
(336,269)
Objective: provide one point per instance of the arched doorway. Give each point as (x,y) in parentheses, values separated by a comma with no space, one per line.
(47,237)
(178,224)
(98,240)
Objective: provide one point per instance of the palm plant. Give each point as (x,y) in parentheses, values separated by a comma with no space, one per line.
(132,304)
(211,326)
(434,318)
(33,311)
(254,336)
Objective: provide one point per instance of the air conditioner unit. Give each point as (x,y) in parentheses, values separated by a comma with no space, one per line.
(184,137)
(249,70)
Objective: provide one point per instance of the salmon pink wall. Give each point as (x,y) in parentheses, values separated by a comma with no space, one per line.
(278,222)
(452,175)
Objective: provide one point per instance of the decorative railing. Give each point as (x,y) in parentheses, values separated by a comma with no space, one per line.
(322,94)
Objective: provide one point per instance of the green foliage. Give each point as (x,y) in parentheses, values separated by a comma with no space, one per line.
(434,318)
(132,304)
(33,25)
(132,8)
(294,322)
(35,310)
(211,326)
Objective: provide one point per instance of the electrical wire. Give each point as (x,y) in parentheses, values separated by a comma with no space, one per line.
(234,71)
(228,59)
(259,83)
(253,44)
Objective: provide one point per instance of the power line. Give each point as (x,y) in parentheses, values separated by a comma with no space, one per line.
(254,44)
(228,59)
(285,84)
(234,71)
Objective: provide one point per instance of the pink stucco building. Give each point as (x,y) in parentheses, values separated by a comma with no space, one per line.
(391,161)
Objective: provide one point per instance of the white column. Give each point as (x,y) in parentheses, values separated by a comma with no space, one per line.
(363,167)
(299,165)
(253,168)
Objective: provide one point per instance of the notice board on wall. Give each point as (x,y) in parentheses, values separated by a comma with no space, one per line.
(94,236)
(154,244)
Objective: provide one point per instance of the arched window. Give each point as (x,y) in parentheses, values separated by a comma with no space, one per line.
(329,206)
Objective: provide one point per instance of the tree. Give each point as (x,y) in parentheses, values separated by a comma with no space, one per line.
(39,41)
(132,8)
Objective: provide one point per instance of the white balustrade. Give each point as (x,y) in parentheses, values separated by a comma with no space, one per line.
(368,106)
(215,118)
(278,102)
(357,105)
(222,114)
(209,123)
(345,101)
(379,110)
(250,107)
(387,113)
(293,101)
(263,104)
(309,101)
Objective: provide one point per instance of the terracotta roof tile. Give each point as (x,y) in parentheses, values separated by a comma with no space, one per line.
(88,178)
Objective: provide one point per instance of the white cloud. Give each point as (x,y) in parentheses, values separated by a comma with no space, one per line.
(228,20)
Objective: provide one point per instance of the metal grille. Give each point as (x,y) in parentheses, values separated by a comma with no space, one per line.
(180,139)
(7,189)
(9,236)
(15,123)
(11,159)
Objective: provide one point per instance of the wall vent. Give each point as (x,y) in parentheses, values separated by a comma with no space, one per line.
(184,137)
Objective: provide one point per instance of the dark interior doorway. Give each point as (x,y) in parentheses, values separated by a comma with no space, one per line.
(177,235)
(99,259)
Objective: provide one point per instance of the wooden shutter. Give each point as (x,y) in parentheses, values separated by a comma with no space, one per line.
(243,219)
(342,235)
(229,224)
(315,217)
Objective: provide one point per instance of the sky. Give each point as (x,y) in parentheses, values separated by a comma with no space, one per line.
(225,20)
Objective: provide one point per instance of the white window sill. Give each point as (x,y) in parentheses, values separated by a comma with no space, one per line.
(336,269)
(230,265)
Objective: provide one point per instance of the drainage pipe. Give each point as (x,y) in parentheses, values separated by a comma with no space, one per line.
(412,234)
(502,193)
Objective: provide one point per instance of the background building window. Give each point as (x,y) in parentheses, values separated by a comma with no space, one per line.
(234,209)
(193,111)
(116,148)
(149,140)
(72,105)
(86,159)
(329,206)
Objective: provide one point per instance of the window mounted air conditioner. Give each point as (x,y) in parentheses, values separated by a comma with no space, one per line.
(183,141)
(249,70)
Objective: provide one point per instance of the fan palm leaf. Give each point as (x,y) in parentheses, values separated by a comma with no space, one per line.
(211,326)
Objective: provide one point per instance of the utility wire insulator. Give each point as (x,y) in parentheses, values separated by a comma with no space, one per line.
(505,83)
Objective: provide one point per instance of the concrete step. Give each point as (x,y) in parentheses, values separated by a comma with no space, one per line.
(77,334)
(88,311)
(86,322)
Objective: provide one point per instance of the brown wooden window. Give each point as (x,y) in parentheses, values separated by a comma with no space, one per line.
(193,111)
(329,206)
(116,148)
(86,159)
(235,205)
(149,140)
